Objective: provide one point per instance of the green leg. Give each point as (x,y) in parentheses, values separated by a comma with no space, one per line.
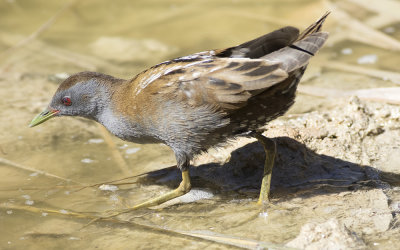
(183,188)
(270,151)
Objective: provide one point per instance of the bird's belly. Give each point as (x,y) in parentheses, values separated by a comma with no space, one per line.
(132,135)
(141,139)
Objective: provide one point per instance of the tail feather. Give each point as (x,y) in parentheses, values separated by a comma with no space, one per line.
(313,28)
(312,43)
(299,53)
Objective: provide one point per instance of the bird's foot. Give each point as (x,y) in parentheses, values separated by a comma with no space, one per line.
(184,187)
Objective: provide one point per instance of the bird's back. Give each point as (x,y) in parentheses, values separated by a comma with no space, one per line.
(211,96)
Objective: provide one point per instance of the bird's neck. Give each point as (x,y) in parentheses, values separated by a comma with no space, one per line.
(117,114)
(108,97)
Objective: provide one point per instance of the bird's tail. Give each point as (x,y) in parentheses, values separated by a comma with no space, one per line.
(299,53)
(313,28)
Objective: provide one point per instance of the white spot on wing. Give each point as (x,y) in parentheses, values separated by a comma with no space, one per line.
(189,57)
(172,69)
(193,63)
(196,74)
(147,81)
(241,53)
(214,69)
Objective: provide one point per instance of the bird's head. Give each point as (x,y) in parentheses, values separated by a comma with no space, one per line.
(83,94)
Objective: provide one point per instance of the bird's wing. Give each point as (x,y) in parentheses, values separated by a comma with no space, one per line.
(229,77)
(262,45)
(224,82)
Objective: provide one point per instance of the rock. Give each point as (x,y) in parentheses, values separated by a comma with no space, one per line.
(355,131)
(328,235)
(372,215)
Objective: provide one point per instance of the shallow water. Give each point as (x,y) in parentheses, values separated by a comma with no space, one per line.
(51,167)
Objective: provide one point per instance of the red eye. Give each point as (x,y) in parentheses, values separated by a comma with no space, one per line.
(67,101)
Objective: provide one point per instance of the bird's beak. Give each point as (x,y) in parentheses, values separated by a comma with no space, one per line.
(44,116)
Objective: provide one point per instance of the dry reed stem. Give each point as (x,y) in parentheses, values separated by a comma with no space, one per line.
(386,13)
(212,237)
(41,29)
(121,163)
(381,74)
(357,31)
(113,182)
(25,168)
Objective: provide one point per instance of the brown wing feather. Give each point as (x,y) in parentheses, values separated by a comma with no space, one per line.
(233,86)
(263,45)
(227,83)
(229,78)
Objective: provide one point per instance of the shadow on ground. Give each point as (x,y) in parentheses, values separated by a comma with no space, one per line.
(297,170)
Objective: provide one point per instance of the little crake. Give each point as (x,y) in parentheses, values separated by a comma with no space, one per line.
(196,102)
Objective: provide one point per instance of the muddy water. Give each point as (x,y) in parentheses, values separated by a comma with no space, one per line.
(49,171)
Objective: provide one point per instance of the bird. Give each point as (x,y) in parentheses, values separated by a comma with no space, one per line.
(197,102)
